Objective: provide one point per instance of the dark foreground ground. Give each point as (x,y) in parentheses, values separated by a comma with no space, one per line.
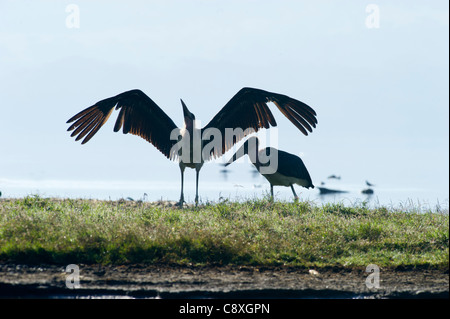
(168,282)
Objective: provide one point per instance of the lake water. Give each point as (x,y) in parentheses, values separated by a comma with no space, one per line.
(411,199)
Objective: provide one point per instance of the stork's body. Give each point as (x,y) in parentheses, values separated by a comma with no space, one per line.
(140,116)
(187,134)
(288,170)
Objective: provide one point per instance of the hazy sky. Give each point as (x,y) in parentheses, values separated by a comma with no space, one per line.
(380,91)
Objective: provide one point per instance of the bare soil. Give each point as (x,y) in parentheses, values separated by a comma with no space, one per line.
(167,282)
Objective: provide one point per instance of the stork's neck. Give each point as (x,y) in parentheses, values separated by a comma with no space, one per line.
(266,158)
(189,125)
(254,157)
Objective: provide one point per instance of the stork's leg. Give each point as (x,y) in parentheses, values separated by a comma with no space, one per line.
(197,171)
(180,203)
(293,191)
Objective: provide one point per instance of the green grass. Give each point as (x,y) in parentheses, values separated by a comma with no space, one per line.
(255,232)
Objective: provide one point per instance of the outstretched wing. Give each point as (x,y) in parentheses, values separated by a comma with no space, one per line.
(138,115)
(249,109)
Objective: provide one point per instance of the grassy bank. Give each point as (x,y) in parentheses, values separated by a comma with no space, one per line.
(257,232)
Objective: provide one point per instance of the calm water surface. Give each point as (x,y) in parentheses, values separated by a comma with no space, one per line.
(210,191)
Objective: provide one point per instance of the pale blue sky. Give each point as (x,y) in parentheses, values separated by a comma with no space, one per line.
(381,94)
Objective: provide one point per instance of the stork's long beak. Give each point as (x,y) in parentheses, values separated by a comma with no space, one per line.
(185,109)
(239,153)
(186,112)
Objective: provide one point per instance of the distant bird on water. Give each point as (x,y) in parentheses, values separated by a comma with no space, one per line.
(333,177)
(224,171)
(140,116)
(290,168)
(369,184)
(367,191)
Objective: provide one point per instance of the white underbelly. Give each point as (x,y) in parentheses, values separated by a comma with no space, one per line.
(281,180)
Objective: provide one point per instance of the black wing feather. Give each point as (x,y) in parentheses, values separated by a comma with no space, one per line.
(249,109)
(138,115)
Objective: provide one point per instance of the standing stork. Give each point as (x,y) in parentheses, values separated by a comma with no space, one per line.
(287,171)
(140,116)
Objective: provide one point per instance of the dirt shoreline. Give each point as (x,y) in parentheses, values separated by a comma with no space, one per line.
(167,282)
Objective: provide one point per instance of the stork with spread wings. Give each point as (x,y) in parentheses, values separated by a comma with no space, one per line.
(141,116)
